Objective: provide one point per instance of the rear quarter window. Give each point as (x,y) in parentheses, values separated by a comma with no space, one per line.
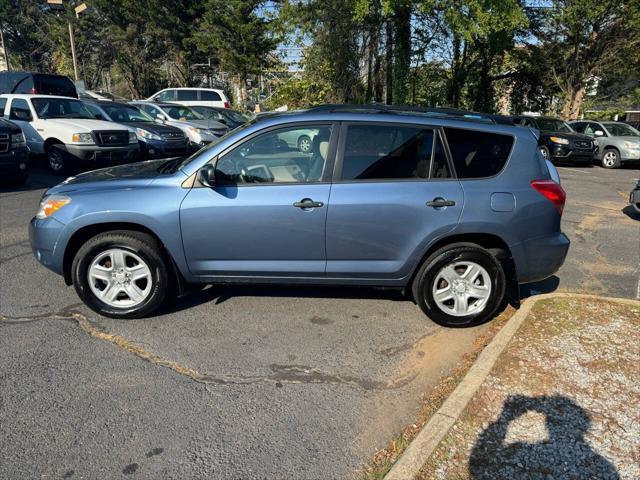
(209,96)
(478,154)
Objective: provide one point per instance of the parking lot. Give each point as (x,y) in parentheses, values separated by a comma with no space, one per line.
(246,382)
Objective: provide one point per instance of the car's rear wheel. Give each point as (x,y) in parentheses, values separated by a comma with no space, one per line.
(460,284)
(611,159)
(121,274)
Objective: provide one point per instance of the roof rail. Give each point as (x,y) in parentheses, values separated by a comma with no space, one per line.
(440,112)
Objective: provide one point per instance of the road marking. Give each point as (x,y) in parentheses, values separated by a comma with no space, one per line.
(573,170)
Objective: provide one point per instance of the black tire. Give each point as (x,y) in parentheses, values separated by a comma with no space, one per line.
(141,244)
(544,151)
(57,158)
(459,252)
(304,144)
(611,159)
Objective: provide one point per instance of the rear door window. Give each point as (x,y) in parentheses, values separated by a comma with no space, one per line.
(187,95)
(478,154)
(209,96)
(384,152)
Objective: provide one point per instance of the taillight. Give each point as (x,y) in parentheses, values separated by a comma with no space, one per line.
(552,191)
(227,105)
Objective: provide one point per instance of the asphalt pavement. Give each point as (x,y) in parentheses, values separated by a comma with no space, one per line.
(243,382)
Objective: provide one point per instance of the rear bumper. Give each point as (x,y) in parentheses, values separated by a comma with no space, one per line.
(94,153)
(541,257)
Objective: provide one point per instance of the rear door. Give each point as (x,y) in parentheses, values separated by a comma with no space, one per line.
(393,193)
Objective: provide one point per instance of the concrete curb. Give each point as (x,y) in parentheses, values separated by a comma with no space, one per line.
(424,444)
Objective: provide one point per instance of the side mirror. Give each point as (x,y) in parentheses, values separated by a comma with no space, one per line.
(599,133)
(207,175)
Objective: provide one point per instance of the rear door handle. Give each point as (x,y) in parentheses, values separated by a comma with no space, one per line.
(439,202)
(308,203)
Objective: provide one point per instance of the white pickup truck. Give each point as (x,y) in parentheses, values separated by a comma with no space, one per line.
(65,131)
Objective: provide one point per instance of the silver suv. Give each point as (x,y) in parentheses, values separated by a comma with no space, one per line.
(618,142)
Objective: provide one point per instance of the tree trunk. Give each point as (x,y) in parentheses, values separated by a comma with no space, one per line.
(389,61)
(402,53)
(372,58)
(572,103)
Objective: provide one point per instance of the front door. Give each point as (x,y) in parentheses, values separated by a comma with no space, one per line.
(393,194)
(266,214)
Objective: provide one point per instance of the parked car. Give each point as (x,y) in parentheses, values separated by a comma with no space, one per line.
(618,143)
(206,97)
(37,83)
(199,130)
(14,154)
(231,118)
(634,197)
(457,212)
(155,140)
(558,142)
(65,131)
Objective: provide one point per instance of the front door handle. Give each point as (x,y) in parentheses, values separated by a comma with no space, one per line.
(308,203)
(439,202)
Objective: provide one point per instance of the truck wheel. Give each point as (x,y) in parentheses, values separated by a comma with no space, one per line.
(459,285)
(57,158)
(611,158)
(121,274)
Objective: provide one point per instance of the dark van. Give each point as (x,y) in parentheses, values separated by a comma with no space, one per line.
(37,83)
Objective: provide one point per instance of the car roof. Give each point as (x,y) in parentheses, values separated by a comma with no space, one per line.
(192,88)
(36,95)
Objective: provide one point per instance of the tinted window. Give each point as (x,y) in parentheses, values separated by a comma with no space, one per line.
(20,110)
(478,154)
(187,95)
(55,85)
(621,130)
(182,113)
(379,152)
(3,104)
(121,113)
(166,96)
(60,108)
(16,82)
(578,127)
(277,157)
(209,96)
(95,111)
(553,125)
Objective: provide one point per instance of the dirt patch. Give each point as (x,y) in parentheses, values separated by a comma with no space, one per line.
(561,402)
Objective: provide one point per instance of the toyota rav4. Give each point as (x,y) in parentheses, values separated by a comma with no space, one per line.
(456,212)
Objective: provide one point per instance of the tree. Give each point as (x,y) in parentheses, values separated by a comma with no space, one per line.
(239,34)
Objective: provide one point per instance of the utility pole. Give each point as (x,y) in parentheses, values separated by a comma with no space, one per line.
(73,52)
(4,50)
(57,5)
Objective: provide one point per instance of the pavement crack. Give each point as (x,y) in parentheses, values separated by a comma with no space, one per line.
(280,374)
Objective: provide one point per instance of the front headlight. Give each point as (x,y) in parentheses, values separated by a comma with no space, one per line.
(559,141)
(85,138)
(147,135)
(133,138)
(51,204)
(18,140)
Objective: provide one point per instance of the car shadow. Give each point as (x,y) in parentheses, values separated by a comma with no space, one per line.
(548,285)
(559,451)
(630,212)
(38,179)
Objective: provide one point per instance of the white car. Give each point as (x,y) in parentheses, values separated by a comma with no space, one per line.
(192,97)
(199,130)
(65,131)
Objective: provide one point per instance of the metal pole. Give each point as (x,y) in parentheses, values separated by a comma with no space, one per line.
(4,49)
(73,51)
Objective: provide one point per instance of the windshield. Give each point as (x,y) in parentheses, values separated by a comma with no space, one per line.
(182,113)
(621,130)
(119,113)
(235,116)
(552,125)
(60,108)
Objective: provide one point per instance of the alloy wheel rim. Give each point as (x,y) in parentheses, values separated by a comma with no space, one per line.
(119,278)
(55,161)
(544,153)
(609,159)
(462,288)
(305,145)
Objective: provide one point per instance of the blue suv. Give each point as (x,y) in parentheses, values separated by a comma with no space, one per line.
(455,211)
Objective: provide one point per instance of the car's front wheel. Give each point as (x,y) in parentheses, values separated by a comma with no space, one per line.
(460,284)
(121,274)
(544,151)
(611,159)
(57,158)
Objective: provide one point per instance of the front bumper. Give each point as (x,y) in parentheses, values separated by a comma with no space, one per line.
(44,235)
(15,162)
(539,258)
(163,149)
(95,153)
(565,153)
